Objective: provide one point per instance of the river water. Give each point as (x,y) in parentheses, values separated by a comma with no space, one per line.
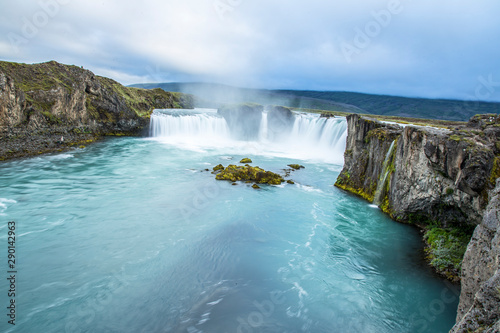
(133,235)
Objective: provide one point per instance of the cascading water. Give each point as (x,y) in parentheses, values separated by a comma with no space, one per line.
(306,136)
(377,199)
(187,123)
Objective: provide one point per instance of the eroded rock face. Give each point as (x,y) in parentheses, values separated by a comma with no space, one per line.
(479,308)
(434,175)
(438,178)
(445,177)
(243,120)
(12,102)
(41,103)
(368,142)
(280,122)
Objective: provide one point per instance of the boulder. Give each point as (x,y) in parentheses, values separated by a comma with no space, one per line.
(235,173)
(243,120)
(280,122)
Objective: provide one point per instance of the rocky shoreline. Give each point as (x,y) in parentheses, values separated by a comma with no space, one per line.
(42,103)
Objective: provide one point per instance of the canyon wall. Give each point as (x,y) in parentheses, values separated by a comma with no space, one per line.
(437,177)
(49,107)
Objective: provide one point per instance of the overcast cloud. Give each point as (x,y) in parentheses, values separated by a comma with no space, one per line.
(447,49)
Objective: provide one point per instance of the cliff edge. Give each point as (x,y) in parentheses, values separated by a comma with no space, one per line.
(442,180)
(51,107)
(479,308)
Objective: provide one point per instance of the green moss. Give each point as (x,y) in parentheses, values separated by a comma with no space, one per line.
(446,249)
(52,119)
(357,191)
(381,133)
(246,160)
(296,166)
(385,206)
(219,167)
(495,171)
(235,173)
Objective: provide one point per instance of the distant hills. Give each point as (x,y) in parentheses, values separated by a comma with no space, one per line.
(214,95)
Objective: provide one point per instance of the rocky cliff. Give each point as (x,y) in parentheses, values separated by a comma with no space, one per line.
(434,175)
(49,106)
(441,179)
(479,308)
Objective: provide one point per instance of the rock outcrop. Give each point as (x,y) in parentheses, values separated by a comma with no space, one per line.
(479,308)
(280,122)
(248,173)
(243,120)
(50,106)
(433,175)
(438,177)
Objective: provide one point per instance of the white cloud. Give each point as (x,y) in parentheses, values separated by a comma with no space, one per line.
(423,48)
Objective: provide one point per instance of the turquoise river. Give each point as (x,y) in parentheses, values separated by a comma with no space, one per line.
(134,235)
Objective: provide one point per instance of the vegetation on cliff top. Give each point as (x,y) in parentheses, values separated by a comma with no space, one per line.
(49,76)
(449,124)
(40,103)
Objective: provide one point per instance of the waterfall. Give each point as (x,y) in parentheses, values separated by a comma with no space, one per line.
(169,123)
(384,173)
(263,130)
(319,135)
(306,136)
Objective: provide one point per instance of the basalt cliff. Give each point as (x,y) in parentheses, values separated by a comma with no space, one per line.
(51,107)
(445,181)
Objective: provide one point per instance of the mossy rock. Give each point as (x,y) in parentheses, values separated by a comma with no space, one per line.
(255,186)
(296,166)
(219,167)
(290,182)
(246,160)
(235,173)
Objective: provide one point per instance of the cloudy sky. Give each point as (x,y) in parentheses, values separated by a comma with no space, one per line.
(426,48)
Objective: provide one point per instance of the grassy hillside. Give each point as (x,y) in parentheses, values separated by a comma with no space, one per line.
(51,107)
(404,106)
(212,95)
(36,79)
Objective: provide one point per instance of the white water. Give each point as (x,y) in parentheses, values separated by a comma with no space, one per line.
(383,176)
(309,138)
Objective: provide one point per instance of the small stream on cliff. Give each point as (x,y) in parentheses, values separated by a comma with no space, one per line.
(132,235)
